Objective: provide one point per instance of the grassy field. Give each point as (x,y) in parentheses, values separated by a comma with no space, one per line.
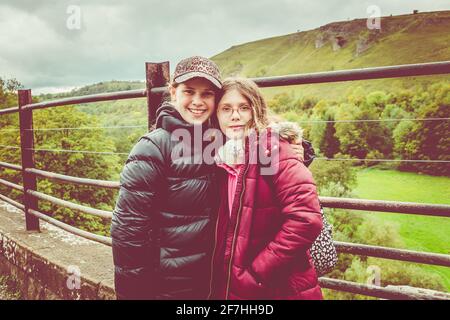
(421,233)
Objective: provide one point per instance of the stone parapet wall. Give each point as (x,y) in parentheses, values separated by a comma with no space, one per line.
(53,264)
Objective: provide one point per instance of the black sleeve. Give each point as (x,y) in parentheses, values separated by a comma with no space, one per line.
(134,257)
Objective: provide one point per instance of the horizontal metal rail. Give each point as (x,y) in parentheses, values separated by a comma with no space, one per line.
(11,185)
(382,160)
(342,247)
(65,178)
(441,210)
(71,229)
(89,128)
(9,147)
(71,205)
(75,180)
(62,225)
(109,96)
(12,202)
(82,151)
(10,166)
(393,253)
(406,70)
(9,110)
(333,284)
(390,292)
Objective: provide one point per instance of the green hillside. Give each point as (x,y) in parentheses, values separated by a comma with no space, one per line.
(100,87)
(403,39)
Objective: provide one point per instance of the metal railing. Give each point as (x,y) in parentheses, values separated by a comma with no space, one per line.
(157,75)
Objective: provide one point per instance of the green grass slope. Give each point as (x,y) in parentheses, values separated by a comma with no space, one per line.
(404,39)
(420,233)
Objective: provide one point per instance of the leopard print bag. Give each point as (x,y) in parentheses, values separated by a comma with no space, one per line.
(322,251)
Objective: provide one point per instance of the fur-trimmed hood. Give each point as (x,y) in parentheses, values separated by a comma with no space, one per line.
(293,133)
(289,131)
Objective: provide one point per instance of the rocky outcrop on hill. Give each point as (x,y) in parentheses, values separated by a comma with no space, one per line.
(341,34)
(337,34)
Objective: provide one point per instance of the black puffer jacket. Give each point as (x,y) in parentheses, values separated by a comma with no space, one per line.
(162,223)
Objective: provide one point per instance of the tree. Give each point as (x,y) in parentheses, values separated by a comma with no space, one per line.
(329,145)
(333,178)
(321,133)
(9,135)
(358,138)
(281,102)
(376,101)
(94,166)
(8,89)
(425,140)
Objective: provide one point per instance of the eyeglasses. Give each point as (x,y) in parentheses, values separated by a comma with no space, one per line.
(242,109)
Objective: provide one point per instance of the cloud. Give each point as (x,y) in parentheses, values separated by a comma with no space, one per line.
(115,37)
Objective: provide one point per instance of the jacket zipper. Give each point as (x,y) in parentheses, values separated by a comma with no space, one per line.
(212,260)
(235,231)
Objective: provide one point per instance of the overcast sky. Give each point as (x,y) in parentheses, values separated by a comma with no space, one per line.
(56,44)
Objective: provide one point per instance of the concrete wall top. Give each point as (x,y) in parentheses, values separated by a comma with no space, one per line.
(53,264)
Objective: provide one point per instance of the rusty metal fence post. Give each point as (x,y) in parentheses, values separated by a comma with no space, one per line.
(156,75)
(27,154)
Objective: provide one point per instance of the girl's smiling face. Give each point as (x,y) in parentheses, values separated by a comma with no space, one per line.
(194,99)
(234,113)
